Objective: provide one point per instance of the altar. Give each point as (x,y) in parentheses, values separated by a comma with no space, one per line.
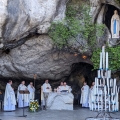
(60,101)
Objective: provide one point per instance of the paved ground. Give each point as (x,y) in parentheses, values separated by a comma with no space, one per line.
(76,114)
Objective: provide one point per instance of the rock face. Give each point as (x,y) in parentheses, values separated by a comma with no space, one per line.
(18,18)
(37,56)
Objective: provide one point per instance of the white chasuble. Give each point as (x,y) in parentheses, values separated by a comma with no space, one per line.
(21,97)
(9,98)
(32,92)
(84,96)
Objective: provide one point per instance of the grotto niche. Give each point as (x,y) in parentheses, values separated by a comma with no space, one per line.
(108,15)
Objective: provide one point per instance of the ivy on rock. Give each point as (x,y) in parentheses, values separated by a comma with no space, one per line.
(77,22)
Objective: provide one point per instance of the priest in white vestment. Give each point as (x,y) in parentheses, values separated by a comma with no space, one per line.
(60,88)
(92,96)
(9,98)
(42,97)
(21,97)
(46,90)
(115,25)
(84,95)
(66,87)
(31,89)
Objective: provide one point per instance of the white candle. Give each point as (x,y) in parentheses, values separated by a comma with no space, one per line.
(100,82)
(106,74)
(92,106)
(109,106)
(98,106)
(114,86)
(100,60)
(108,85)
(106,60)
(118,106)
(103,81)
(108,90)
(111,82)
(103,60)
(105,96)
(98,73)
(102,73)
(109,73)
(97,85)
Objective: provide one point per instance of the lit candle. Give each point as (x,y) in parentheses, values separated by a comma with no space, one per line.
(100,60)
(106,60)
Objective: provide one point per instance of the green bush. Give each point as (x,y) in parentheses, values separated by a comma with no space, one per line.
(77,21)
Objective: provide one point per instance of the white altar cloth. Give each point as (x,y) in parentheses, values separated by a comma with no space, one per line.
(60,101)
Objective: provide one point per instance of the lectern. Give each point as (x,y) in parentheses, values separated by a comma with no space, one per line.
(23,92)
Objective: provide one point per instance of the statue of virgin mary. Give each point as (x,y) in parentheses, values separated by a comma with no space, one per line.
(115,25)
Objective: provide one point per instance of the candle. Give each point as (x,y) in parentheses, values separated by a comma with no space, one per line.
(98,106)
(101,102)
(105,96)
(109,106)
(92,106)
(103,60)
(97,85)
(100,60)
(98,73)
(106,74)
(109,73)
(118,106)
(100,82)
(102,73)
(108,85)
(114,86)
(111,82)
(106,60)
(103,81)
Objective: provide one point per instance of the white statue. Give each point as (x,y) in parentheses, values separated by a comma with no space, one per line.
(115,25)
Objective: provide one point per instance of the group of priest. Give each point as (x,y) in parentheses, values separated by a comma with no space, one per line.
(86,95)
(10,99)
(23,99)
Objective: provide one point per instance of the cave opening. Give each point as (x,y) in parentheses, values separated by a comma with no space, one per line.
(80,72)
(108,15)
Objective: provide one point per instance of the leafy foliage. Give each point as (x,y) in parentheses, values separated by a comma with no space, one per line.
(118,1)
(114,58)
(77,21)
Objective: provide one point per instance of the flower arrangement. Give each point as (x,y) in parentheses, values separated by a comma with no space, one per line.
(34,106)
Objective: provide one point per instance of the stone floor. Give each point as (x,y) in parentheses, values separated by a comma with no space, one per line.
(77,114)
